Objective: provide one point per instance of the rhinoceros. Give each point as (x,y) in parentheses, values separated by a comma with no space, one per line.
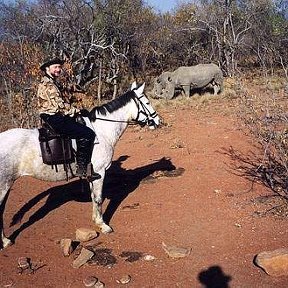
(188,77)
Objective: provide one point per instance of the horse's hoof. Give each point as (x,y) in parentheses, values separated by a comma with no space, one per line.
(105,229)
(5,243)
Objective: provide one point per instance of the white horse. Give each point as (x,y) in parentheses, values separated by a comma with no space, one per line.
(20,150)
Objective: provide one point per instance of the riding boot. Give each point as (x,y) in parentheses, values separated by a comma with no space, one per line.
(83,158)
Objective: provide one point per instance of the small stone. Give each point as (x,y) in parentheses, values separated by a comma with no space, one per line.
(85,234)
(274,263)
(176,252)
(90,281)
(217,191)
(149,258)
(84,256)
(66,246)
(124,280)
(99,284)
(23,263)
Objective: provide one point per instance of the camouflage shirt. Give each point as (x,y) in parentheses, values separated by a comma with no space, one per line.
(50,99)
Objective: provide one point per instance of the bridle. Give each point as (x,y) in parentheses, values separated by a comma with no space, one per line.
(149,117)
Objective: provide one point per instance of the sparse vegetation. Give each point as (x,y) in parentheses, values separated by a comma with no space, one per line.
(263,110)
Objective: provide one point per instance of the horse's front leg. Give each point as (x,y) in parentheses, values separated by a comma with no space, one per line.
(96,195)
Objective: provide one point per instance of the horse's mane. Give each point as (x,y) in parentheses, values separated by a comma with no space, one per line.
(112,106)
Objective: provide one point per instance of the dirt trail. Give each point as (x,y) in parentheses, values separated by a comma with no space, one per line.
(208,208)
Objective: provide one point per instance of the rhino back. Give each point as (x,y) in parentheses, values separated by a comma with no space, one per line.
(198,76)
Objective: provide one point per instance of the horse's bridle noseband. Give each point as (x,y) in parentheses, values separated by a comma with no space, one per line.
(144,111)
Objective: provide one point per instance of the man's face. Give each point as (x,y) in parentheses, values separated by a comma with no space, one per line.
(54,70)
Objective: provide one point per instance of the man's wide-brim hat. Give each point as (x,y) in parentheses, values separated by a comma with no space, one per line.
(51,61)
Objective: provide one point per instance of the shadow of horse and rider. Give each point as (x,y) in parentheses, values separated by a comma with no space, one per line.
(119,183)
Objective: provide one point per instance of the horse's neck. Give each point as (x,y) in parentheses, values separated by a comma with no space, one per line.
(112,125)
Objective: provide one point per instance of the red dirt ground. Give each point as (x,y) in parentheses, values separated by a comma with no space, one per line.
(209,208)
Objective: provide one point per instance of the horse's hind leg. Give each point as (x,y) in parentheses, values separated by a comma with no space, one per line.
(4,242)
(97,216)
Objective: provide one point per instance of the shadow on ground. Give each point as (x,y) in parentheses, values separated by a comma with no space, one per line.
(214,277)
(117,177)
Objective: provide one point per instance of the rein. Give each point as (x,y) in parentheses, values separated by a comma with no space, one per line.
(118,121)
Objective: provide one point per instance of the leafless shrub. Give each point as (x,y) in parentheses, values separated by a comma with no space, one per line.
(265,115)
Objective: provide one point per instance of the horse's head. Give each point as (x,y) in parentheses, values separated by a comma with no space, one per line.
(146,113)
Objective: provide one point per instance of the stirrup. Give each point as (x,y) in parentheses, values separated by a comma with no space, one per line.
(91,174)
(87,174)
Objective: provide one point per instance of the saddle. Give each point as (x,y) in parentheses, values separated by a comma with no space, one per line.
(55,148)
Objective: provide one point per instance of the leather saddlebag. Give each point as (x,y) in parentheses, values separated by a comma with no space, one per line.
(55,149)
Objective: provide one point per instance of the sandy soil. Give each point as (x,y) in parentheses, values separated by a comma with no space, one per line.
(180,185)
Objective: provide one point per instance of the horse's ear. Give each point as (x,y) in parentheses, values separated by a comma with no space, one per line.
(133,86)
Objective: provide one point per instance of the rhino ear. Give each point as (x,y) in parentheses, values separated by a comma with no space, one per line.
(133,86)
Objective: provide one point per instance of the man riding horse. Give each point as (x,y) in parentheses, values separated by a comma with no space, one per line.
(60,114)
